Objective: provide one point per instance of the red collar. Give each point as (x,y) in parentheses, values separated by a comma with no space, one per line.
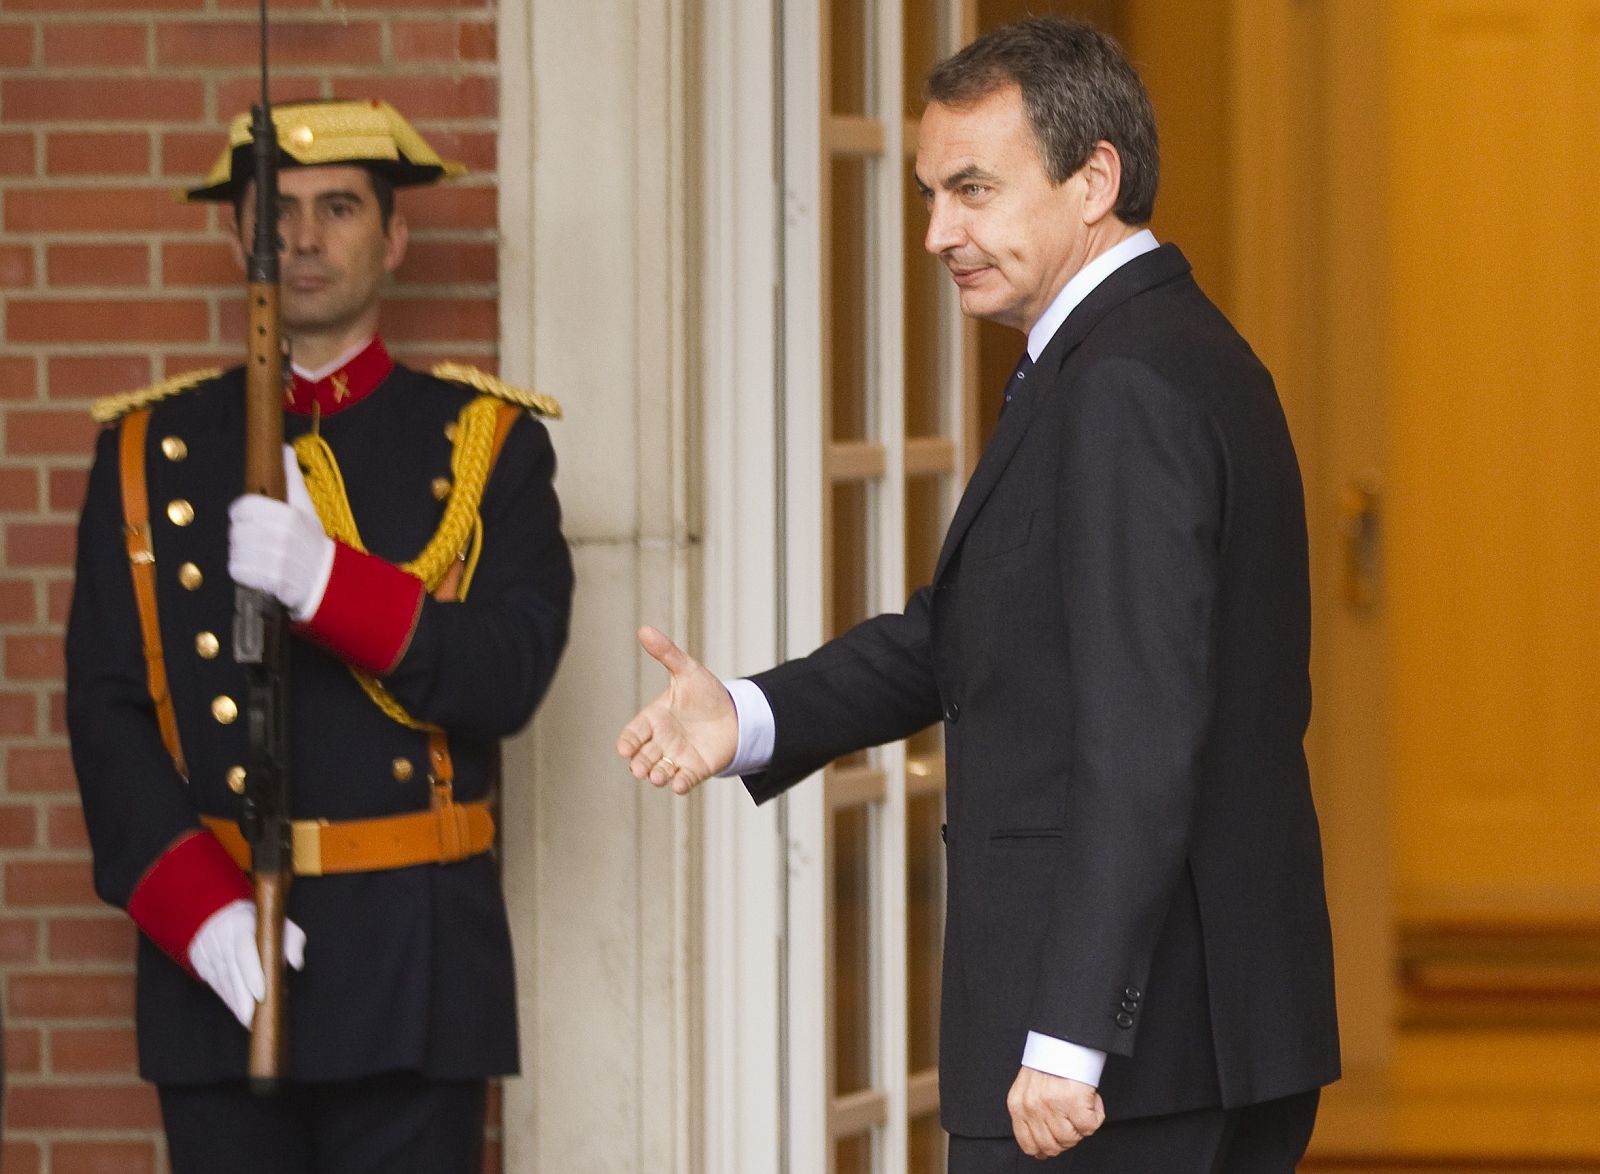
(350,384)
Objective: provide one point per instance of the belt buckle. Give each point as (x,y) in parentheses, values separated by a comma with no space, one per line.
(306,844)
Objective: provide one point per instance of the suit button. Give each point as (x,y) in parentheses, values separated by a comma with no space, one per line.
(224,710)
(190,577)
(173,448)
(1124,1020)
(403,770)
(952,711)
(1129,1005)
(207,645)
(236,779)
(1132,993)
(440,487)
(180,512)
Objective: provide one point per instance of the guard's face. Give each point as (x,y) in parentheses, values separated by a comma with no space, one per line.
(1009,237)
(335,250)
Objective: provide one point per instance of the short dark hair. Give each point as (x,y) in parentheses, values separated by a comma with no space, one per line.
(382,192)
(1078,88)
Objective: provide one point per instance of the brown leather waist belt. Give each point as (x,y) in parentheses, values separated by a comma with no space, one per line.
(451,832)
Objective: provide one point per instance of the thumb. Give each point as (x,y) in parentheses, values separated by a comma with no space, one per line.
(672,658)
(294,945)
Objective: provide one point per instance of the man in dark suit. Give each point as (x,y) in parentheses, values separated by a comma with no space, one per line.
(1116,639)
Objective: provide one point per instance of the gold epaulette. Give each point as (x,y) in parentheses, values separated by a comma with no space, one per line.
(482,381)
(114,407)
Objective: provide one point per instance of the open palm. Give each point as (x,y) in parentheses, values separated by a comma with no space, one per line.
(687,734)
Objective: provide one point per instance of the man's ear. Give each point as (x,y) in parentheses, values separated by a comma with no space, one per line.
(1102,176)
(394,248)
(236,238)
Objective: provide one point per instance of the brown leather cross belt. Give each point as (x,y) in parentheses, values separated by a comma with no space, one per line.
(451,832)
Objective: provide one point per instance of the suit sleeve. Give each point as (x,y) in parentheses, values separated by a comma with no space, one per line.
(873,684)
(150,854)
(1141,496)
(480,666)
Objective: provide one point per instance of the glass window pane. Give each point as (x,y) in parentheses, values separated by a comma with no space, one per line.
(850,25)
(923,25)
(848,297)
(852,950)
(924,281)
(853,1155)
(926,1152)
(924,927)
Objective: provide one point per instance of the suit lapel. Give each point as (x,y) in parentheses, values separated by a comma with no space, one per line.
(1142,273)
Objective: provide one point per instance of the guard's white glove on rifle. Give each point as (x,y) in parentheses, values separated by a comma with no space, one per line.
(223,953)
(279,546)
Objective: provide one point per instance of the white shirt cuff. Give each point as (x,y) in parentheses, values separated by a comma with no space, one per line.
(1046,1053)
(757,729)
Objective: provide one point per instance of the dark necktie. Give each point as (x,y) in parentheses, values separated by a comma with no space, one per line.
(1019,377)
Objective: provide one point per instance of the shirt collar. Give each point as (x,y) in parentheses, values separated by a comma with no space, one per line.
(1082,284)
(346,381)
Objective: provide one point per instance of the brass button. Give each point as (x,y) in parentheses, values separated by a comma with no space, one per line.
(450,432)
(302,137)
(191,578)
(173,448)
(403,770)
(441,488)
(180,512)
(236,779)
(207,645)
(225,710)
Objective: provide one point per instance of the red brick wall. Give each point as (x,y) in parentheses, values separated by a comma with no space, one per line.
(106,283)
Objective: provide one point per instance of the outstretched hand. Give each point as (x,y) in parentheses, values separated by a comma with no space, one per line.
(687,734)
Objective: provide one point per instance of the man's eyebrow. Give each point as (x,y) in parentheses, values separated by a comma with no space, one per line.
(966,175)
(341,194)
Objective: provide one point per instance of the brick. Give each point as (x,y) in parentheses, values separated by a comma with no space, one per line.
(16,45)
(19,1157)
(452,319)
(391,4)
(16,153)
(34,769)
(426,96)
(105,1157)
(200,264)
(236,96)
(48,431)
(16,266)
(105,320)
(443,40)
(294,44)
(97,154)
(87,376)
(58,704)
(100,210)
(19,492)
(41,544)
(16,601)
(103,99)
(19,941)
(67,488)
(80,44)
(188,155)
(251,5)
(54,6)
(65,828)
(450,263)
(31,883)
(83,1106)
(19,828)
(451,206)
(106,1051)
(23,1052)
(37,995)
(92,939)
(32,658)
(97,265)
(18,718)
(180,362)
(17,378)
(474,148)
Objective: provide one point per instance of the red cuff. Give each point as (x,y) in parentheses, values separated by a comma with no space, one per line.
(368,611)
(187,884)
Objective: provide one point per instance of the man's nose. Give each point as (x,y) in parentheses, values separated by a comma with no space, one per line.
(944,227)
(299,234)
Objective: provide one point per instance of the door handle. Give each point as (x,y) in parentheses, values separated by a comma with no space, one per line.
(1360,528)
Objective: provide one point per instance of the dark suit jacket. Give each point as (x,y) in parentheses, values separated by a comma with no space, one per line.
(1117,639)
(406,969)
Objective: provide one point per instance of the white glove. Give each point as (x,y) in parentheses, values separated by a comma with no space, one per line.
(279,547)
(223,953)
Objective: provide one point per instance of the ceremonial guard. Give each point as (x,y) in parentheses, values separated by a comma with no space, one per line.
(420,558)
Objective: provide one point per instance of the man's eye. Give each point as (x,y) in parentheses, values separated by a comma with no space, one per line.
(973,190)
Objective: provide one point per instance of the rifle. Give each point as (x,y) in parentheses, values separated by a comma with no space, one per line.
(260,628)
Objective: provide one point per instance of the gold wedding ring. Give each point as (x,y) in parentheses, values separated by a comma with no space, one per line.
(671,767)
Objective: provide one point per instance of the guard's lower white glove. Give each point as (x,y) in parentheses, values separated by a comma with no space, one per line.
(224,955)
(279,546)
